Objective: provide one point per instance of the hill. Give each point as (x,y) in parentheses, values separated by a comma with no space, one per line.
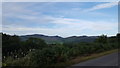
(58,39)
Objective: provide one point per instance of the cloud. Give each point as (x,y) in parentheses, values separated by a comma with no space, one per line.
(60,0)
(23,19)
(0,16)
(22,12)
(16,8)
(102,6)
(64,27)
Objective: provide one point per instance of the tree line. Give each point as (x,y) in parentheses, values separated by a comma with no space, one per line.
(35,52)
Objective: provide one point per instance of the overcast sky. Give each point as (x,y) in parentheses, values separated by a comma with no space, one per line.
(60,18)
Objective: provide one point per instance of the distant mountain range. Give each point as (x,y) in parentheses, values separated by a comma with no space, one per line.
(58,39)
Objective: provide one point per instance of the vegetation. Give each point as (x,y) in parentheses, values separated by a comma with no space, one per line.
(35,52)
(85,58)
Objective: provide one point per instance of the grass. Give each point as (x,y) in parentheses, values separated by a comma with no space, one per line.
(85,58)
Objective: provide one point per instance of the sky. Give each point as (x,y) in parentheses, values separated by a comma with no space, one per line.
(60,18)
(59,0)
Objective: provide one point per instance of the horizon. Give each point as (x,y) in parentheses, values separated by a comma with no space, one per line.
(61,36)
(63,19)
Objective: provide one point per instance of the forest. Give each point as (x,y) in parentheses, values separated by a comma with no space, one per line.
(36,52)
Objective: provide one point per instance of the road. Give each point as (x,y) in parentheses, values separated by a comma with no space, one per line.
(107,60)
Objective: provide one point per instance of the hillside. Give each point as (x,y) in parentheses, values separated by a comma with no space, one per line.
(58,39)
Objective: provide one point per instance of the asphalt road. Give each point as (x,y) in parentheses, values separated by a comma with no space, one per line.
(107,60)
